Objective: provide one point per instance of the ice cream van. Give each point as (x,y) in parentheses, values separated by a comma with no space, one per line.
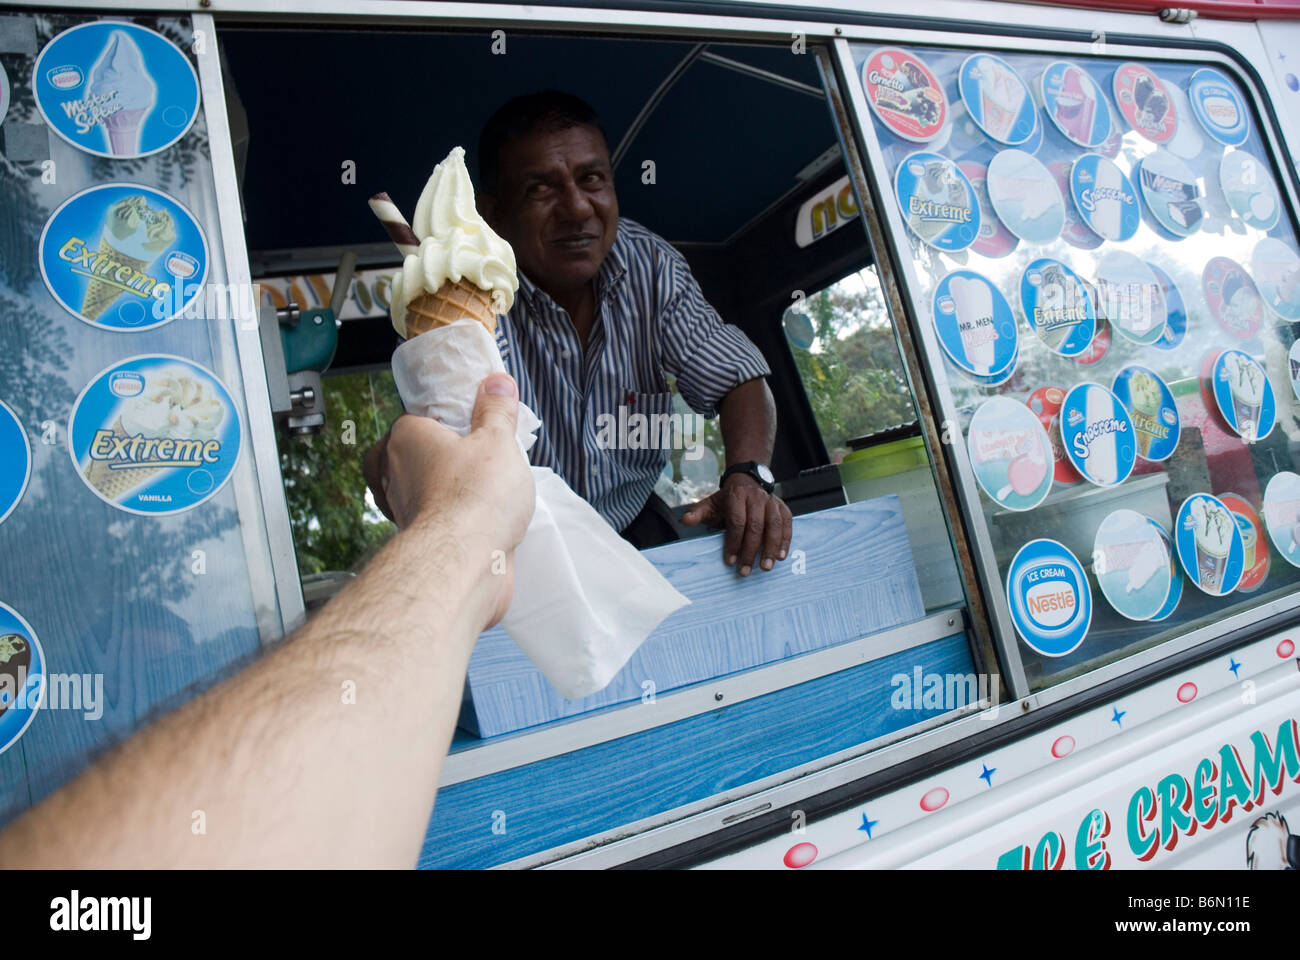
(1027,279)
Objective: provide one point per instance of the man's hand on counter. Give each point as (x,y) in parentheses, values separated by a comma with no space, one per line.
(753,519)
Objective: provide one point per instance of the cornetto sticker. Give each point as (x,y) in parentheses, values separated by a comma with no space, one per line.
(904,94)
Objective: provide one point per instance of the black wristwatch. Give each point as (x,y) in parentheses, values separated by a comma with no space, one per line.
(759,471)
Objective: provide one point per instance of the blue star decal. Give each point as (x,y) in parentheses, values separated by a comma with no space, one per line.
(1233,665)
(1118,716)
(867,825)
(987,775)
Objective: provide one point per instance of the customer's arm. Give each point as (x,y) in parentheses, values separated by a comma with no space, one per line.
(327,751)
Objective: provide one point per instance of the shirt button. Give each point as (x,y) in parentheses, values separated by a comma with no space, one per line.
(564,354)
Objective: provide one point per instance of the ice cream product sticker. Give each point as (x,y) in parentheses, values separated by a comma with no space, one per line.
(1098,434)
(975,324)
(1100,345)
(154,435)
(1171,192)
(1282,515)
(1209,545)
(1293,367)
(1010,453)
(1175,576)
(1277,272)
(1045,402)
(123,257)
(22,676)
(1244,395)
(1187,141)
(1025,196)
(115,89)
(1151,407)
(1130,297)
(904,94)
(1075,103)
(15,460)
(1144,102)
(1049,596)
(938,202)
(996,98)
(1255,559)
(994,240)
(1075,232)
(1130,560)
(6,94)
(1232,297)
(1218,107)
(1057,306)
(1105,197)
(1175,311)
(1250,190)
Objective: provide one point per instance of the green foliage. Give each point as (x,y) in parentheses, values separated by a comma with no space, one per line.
(853,374)
(334,528)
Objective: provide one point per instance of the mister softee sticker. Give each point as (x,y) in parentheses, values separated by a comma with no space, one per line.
(1209,544)
(1051,602)
(154,435)
(116,89)
(123,257)
(15,460)
(22,676)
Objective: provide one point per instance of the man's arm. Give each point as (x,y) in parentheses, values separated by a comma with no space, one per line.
(754,519)
(326,752)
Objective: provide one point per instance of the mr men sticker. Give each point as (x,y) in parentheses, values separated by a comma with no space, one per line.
(1232,297)
(1244,395)
(1282,515)
(976,327)
(115,89)
(904,94)
(1098,434)
(22,676)
(1218,107)
(1254,542)
(1058,307)
(1025,196)
(1250,190)
(1075,103)
(15,460)
(1152,409)
(997,99)
(1010,454)
(123,257)
(1144,102)
(938,202)
(1171,192)
(1209,544)
(155,435)
(1049,596)
(1105,197)
(1130,559)
(1277,272)
(1131,298)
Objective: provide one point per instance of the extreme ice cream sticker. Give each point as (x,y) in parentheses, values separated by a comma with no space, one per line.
(1010,453)
(1232,297)
(938,202)
(1209,545)
(116,89)
(1057,306)
(1249,189)
(997,98)
(1277,271)
(1144,102)
(123,257)
(1151,407)
(15,461)
(1076,104)
(1282,515)
(1244,395)
(1218,107)
(1105,197)
(1025,196)
(975,324)
(22,676)
(1049,596)
(1098,434)
(1130,559)
(1170,189)
(904,94)
(155,435)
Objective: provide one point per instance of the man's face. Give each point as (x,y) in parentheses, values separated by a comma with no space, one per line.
(556,207)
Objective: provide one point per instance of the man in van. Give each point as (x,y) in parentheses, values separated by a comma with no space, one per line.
(605,309)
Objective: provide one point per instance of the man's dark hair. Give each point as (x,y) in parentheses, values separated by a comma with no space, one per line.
(546,112)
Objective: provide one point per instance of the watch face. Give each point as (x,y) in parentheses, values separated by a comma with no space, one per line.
(764,473)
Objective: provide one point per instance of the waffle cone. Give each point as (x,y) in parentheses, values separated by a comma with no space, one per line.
(449,303)
(100,295)
(115,484)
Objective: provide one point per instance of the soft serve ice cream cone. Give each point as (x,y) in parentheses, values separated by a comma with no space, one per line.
(119,76)
(1145,395)
(1246,384)
(1213,532)
(461,268)
(134,235)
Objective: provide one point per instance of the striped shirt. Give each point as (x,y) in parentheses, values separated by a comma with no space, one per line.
(651,320)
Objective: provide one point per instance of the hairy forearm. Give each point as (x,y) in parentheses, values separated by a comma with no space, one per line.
(325,752)
(748,419)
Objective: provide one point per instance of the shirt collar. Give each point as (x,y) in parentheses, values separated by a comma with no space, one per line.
(613,269)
